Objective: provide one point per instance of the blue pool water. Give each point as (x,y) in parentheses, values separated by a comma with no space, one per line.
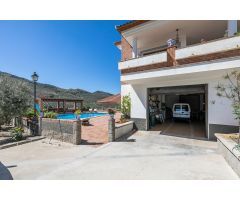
(82,116)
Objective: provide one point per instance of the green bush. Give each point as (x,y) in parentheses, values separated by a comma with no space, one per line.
(14,100)
(77,112)
(30,113)
(111,111)
(50,114)
(17,133)
(237,34)
(126,106)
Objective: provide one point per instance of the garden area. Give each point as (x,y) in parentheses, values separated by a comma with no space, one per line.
(19,121)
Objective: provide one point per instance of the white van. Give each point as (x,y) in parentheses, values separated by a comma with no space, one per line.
(181,111)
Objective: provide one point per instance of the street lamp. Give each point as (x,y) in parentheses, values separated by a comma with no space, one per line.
(34,79)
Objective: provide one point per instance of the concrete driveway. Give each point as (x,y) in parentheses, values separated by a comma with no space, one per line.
(143,156)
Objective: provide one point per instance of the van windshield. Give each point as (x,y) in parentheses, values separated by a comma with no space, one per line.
(184,107)
(177,108)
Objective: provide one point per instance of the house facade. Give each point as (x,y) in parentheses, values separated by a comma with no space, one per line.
(168,62)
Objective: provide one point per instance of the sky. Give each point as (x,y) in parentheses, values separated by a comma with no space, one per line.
(67,54)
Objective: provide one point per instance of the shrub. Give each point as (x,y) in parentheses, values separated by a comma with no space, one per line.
(50,114)
(30,113)
(237,34)
(77,112)
(111,111)
(126,106)
(17,133)
(14,100)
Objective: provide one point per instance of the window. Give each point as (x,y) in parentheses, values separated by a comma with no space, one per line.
(177,108)
(185,108)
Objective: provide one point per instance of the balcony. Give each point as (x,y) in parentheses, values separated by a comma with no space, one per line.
(206,51)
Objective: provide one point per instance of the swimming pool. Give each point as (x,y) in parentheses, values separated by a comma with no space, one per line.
(72,116)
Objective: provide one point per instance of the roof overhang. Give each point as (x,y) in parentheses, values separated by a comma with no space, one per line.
(130,25)
(118,45)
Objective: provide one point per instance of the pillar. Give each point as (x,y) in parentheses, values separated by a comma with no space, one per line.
(134,49)
(63,106)
(40,125)
(232,27)
(183,39)
(171,61)
(111,129)
(77,132)
(58,105)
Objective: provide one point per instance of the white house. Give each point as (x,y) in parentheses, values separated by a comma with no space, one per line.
(157,75)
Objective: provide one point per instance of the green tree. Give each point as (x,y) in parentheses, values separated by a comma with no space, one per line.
(231,90)
(14,100)
(126,106)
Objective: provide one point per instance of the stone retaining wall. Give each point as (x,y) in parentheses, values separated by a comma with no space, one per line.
(26,125)
(64,130)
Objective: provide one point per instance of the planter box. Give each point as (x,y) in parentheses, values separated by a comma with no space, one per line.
(225,147)
(123,129)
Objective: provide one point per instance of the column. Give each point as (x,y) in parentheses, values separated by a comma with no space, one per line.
(58,105)
(134,49)
(111,129)
(63,106)
(183,39)
(77,132)
(232,27)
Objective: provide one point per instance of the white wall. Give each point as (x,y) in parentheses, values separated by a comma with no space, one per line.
(219,108)
(209,47)
(138,94)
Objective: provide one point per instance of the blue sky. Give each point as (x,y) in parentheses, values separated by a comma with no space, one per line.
(68,54)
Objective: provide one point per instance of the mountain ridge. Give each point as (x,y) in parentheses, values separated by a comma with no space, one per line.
(52,91)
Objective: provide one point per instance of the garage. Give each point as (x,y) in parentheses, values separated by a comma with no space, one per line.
(178,110)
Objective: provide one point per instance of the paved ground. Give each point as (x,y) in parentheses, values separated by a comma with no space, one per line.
(142,156)
(97,132)
(193,129)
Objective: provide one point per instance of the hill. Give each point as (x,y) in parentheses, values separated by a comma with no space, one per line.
(51,91)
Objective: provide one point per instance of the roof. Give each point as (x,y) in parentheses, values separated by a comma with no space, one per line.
(114,99)
(130,24)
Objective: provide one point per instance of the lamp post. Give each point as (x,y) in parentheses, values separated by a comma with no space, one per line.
(34,79)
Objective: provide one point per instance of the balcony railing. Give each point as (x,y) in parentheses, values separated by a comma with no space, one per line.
(206,51)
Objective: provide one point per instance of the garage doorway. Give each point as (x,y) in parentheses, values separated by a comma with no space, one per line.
(160,110)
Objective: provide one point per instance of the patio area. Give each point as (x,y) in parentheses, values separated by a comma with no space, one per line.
(96,133)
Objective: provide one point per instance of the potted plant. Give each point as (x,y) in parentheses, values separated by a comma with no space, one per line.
(111,112)
(77,113)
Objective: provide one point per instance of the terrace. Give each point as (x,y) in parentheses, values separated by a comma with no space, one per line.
(144,47)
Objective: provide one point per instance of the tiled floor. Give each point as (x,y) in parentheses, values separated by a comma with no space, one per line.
(97,132)
(193,129)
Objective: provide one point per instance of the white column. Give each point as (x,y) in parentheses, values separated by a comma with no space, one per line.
(232,27)
(183,39)
(135,50)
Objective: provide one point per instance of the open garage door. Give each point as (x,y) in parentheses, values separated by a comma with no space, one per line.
(168,109)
